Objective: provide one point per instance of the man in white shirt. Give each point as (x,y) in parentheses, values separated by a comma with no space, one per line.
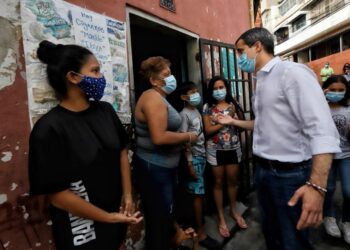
(293,143)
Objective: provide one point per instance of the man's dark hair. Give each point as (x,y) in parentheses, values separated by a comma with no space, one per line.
(187,86)
(250,37)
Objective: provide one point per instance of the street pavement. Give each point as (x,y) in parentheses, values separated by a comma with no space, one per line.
(252,238)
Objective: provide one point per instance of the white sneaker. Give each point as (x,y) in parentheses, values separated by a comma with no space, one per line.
(345,227)
(331,227)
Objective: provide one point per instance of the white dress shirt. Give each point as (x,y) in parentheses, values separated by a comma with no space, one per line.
(292,117)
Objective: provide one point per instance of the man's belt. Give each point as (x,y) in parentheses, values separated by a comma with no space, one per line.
(273,164)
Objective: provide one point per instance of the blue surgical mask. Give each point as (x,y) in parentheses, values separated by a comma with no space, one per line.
(219,94)
(170,84)
(335,96)
(246,64)
(195,99)
(93,87)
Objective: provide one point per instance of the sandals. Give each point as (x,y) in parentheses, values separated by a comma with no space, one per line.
(239,220)
(241,223)
(223,230)
(183,235)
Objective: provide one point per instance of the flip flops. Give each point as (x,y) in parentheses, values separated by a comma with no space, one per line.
(239,220)
(223,230)
(241,223)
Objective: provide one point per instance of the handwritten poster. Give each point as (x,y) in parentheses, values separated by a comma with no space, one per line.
(64,23)
(90,31)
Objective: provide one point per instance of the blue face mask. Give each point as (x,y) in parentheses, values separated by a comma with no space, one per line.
(195,99)
(170,84)
(93,87)
(335,96)
(246,64)
(219,94)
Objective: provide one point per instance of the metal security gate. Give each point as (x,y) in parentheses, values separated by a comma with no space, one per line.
(220,59)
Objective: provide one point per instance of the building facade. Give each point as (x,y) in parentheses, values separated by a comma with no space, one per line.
(197,36)
(310,31)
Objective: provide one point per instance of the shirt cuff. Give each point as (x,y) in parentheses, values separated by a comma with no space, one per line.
(324,145)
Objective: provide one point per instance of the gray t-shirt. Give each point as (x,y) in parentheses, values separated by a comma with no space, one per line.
(341,117)
(192,122)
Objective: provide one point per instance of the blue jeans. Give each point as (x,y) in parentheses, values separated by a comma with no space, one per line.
(279,221)
(343,165)
(156,185)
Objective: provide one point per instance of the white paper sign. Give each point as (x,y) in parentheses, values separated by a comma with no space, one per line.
(64,23)
(90,31)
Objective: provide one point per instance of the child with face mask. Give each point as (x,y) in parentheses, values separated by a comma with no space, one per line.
(195,155)
(337,94)
(223,148)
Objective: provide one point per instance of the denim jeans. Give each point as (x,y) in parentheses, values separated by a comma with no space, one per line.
(156,185)
(279,221)
(343,166)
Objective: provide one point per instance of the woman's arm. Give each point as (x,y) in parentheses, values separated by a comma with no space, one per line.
(127,201)
(156,115)
(209,128)
(72,203)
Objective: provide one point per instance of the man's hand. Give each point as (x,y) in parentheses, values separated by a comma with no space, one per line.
(312,206)
(223,119)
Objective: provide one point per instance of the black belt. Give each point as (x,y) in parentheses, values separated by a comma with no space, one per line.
(273,164)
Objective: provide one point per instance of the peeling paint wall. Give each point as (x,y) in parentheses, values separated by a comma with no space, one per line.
(16,227)
(8,51)
(21,229)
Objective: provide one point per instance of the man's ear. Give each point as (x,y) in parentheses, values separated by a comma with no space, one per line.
(73,77)
(259,46)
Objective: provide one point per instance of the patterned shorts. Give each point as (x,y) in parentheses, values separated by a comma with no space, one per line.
(197,186)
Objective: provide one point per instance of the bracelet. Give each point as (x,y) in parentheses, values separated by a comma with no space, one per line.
(317,187)
(190,137)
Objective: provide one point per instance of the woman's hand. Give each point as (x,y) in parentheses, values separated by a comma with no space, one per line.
(127,205)
(191,171)
(193,137)
(225,120)
(133,219)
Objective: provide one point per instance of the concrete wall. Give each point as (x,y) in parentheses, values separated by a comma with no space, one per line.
(220,20)
(336,61)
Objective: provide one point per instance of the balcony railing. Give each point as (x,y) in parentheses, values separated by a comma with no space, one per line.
(286,5)
(324,9)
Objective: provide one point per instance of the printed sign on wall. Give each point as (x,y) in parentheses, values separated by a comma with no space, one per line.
(65,23)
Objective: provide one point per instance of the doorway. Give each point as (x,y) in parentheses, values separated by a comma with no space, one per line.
(150,38)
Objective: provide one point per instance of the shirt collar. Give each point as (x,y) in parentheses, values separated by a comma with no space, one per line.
(270,64)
